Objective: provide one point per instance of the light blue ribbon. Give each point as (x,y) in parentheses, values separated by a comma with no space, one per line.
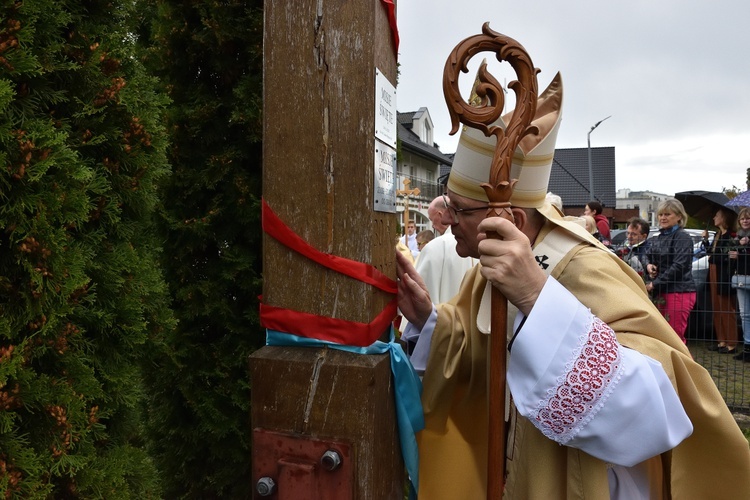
(408,390)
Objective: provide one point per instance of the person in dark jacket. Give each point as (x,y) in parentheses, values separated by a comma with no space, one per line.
(670,263)
(635,252)
(720,270)
(742,254)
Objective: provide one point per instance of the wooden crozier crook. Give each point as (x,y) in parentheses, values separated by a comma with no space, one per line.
(499,189)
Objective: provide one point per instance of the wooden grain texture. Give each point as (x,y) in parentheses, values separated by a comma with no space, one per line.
(319,119)
(331,394)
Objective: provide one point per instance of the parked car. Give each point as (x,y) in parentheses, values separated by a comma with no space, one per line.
(619,239)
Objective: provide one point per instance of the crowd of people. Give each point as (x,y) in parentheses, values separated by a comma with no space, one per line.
(663,261)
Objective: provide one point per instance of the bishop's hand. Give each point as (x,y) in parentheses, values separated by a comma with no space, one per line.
(509,264)
(413,299)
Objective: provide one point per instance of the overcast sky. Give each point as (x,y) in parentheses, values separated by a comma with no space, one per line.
(673,75)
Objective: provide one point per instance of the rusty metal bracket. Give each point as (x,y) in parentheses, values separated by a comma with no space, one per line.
(296,467)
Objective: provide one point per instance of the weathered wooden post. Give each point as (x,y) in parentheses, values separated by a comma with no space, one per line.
(323,419)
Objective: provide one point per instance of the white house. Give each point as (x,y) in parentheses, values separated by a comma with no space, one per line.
(419,161)
(646,202)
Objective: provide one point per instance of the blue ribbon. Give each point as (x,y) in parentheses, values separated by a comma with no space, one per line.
(408,390)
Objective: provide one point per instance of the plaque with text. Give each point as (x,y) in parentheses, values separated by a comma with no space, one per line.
(385,178)
(385,109)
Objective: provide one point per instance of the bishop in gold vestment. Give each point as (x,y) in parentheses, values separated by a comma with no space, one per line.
(606,402)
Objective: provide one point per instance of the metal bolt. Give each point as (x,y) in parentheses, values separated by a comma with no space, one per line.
(330,460)
(265,486)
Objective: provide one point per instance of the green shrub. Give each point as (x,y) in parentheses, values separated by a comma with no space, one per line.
(81,296)
(208,55)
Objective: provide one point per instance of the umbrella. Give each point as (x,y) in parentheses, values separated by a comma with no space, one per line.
(702,205)
(741,200)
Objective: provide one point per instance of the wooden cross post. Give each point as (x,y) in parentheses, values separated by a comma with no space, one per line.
(406,192)
(499,189)
(324,419)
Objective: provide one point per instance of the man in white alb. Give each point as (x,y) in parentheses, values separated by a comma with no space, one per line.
(410,238)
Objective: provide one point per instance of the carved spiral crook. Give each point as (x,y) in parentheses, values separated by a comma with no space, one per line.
(491,101)
(499,190)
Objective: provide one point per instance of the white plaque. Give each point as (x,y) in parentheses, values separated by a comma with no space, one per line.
(385,178)
(385,109)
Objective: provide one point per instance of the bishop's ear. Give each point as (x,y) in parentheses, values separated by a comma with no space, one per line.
(520,218)
(528,221)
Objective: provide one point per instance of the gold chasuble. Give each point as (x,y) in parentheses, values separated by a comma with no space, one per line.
(714,462)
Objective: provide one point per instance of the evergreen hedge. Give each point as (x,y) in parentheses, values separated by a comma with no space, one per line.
(82,300)
(208,55)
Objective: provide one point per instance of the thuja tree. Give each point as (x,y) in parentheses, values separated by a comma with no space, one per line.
(82,302)
(209,57)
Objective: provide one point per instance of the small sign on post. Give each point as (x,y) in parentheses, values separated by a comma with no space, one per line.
(385,144)
(385,109)
(385,178)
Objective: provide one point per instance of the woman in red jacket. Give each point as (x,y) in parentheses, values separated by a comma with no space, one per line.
(595,209)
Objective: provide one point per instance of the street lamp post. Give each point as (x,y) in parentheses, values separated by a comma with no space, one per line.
(591,170)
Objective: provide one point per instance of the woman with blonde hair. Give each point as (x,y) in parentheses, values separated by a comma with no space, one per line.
(591,227)
(670,267)
(590,224)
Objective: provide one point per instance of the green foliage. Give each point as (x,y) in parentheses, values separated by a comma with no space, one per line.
(732,191)
(82,300)
(208,55)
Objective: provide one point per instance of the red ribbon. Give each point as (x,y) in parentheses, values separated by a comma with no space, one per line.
(321,327)
(324,328)
(274,227)
(390,7)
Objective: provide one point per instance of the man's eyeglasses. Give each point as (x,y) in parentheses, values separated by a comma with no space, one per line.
(455,211)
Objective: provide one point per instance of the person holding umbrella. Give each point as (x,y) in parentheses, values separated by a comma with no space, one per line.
(720,269)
